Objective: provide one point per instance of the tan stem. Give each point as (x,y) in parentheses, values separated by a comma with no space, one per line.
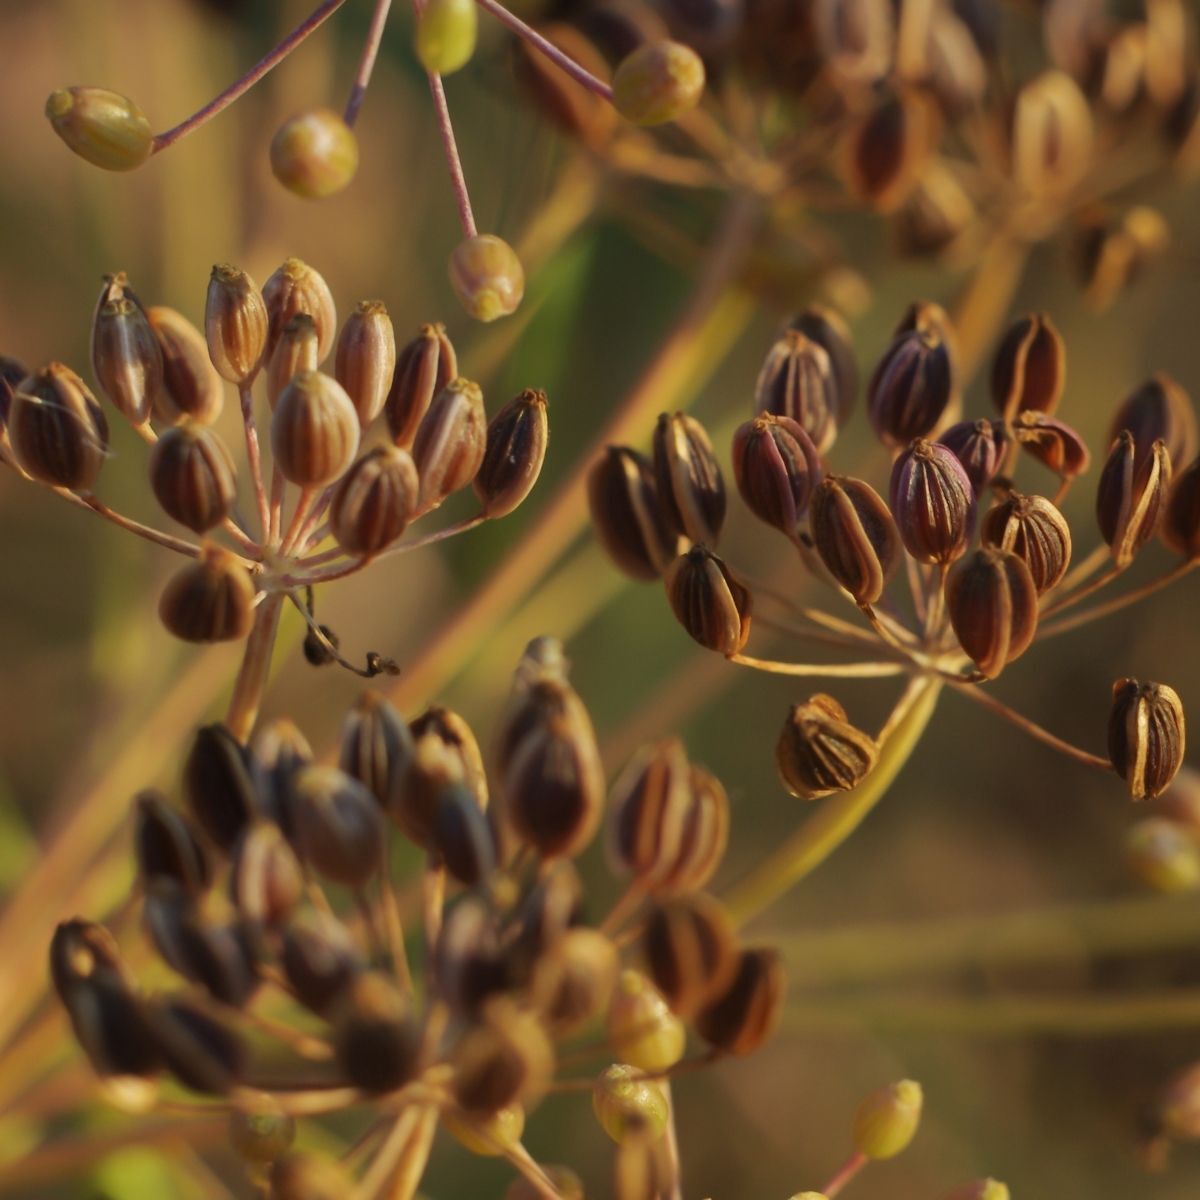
(252,678)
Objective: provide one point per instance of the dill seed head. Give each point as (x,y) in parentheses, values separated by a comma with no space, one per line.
(235,324)
(314,430)
(1146,736)
(212,600)
(126,359)
(992,602)
(641,1028)
(57,430)
(374,501)
(708,601)
(191,385)
(629,1107)
(295,287)
(1033,529)
(776,467)
(106,128)
(628,515)
(192,476)
(690,951)
(365,358)
(165,846)
(887,1120)
(1029,370)
(855,536)
(512,459)
(424,366)
(912,385)
(487,277)
(933,502)
(746,1013)
(980,447)
(1130,499)
(451,441)
(797,380)
(658,82)
(376,1037)
(446,34)
(314,154)
(820,752)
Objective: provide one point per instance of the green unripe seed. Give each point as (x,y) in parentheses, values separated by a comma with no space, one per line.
(315,154)
(887,1120)
(104,127)
(261,1137)
(487,276)
(658,82)
(446,33)
(629,1107)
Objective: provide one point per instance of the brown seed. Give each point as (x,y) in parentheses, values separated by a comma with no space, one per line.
(855,536)
(540,691)
(338,824)
(820,752)
(708,601)
(126,359)
(217,786)
(451,441)
(1053,443)
(746,1014)
(279,749)
(470,963)
(573,981)
(702,839)
(265,878)
(210,601)
(691,952)
(458,739)
(192,476)
(377,746)
(797,380)
(935,215)
(314,430)
(1130,500)
(376,1037)
(424,367)
(462,836)
(295,351)
(627,514)
(109,1022)
(980,447)
(649,805)
(512,459)
(1033,529)
(296,288)
(191,386)
(827,328)
(202,1052)
(1146,736)
(1181,521)
(365,360)
(235,324)
(374,500)
(166,846)
(889,147)
(1158,410)
(933,502)
(688,476)
(776,467)
(855,38)
(1030,368)
(320,960)
(1050,135)
(445,752)
(503,1059)
(912,386)
(81,950)
(993,606)
(57,429)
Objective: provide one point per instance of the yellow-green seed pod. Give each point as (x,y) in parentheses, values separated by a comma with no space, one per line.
(1164,855)
(808,1196)
(104,127)
(642,1029)
(446,34)
(887,1120)
(315,154)
(658,82)
(490,1135)
(629,1107)
(487,277)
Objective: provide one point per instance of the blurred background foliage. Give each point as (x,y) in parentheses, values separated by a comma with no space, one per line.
(1035,1065)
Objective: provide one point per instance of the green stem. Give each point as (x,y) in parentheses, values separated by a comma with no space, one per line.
(840,816)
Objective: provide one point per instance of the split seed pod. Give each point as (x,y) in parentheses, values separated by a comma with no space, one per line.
(708,601)
(1146,736)
(374,501)
(746,1014)
(993,606)
(627,514)
(798,380)
(512,459)
(1030,368)
(649,804)
(691,952)
(855,535)
(376,1037)
(912,386)
(776,467)
(1158,410)
(1130,501)
(192,476)
(424,366)
(889,147)
(314,430)
(1053,443)
(235,324)
(688,476)
(57,429)
(451,441)
(703,835)
(1051,135)
(212,600)
(820,752)
(296,288)
(933,502)
(365,361)
(191,385)
(126,359)
(1033,529)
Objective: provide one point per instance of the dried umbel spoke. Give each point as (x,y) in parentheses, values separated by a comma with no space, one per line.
(1146,736)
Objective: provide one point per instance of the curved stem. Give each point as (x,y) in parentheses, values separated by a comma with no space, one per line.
(366,64)
(841,815)
(1093,585)
(239,87)
(861,670)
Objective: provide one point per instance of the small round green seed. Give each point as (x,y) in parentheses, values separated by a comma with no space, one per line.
(658,82)
(446,33)
(315,154)
(106,128)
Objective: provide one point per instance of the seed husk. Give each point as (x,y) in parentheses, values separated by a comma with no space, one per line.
(1181,521)
(295,287)
(642,1030)
(708,601)
(1147,736)
(424,366)
(690,950)
(631,1109)
(933,502)
(1032,528)
(820,752)
(658,82)
(689,480)
(912,386)
(235,324)
(365,359)
(377,746)
(512,459)
(573,981)
(462,837)
(746,1014)
(1030,368)
(295,351)
(1160,409)
(203,1053)
(776,467)
(217,785)
(504,1058)
(649,806)
(376,1037)
(451,441)
(319,960)
(887,1120)
(104,127)
(126,359)
(797,380)
(887,149)
(191,385)
(339,827)
(627,513)
(1051,135)
(855,536)
(827,328)
(1130,500)
(487,277)
(1053,443)
(166,846)
(314,430)
(980,447)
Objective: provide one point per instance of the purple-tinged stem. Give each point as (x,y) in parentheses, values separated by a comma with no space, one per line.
(458,181)
(254,459)
(563,61)
(240,86)
(366,64)
(848,1170)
